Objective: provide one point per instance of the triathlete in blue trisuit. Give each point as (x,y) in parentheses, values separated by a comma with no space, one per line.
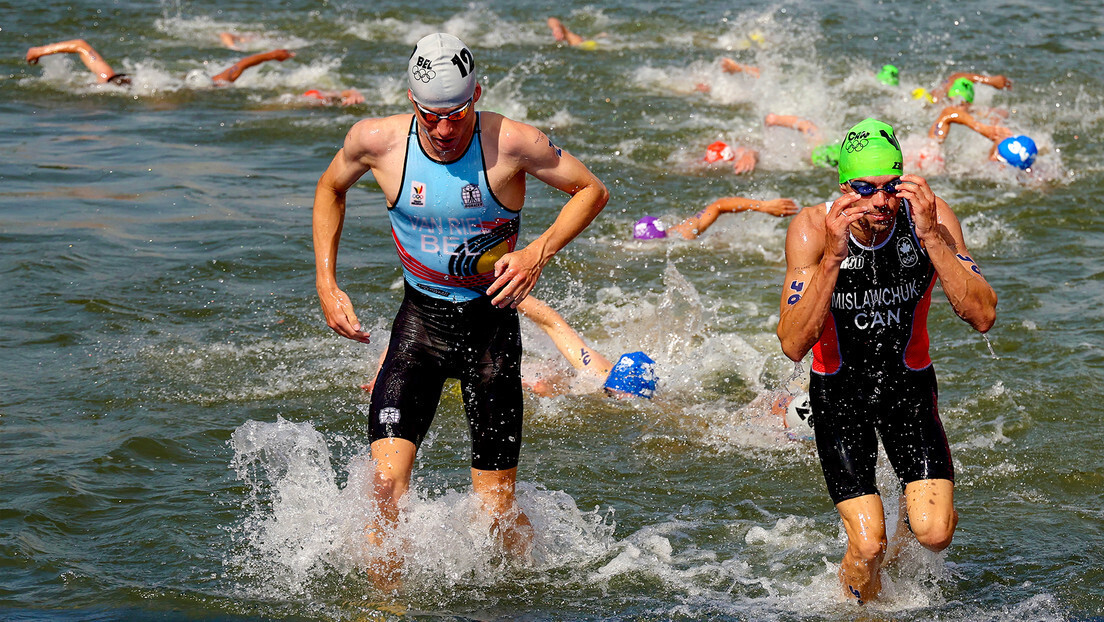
(454,181)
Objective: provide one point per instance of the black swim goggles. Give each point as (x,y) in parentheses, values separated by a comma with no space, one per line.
(866,189)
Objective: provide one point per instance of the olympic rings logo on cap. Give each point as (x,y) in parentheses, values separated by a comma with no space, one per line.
(423,71)
(857,141)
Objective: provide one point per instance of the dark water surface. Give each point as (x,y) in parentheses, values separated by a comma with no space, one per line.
(182,437)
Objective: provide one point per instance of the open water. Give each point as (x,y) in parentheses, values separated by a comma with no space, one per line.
(182,437)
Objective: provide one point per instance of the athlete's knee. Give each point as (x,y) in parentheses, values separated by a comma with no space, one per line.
(867,550)
(389,486)
(935,532)
(393,459)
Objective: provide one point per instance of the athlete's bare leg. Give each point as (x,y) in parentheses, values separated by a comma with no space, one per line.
(496,491)
(394,461)
(864,520)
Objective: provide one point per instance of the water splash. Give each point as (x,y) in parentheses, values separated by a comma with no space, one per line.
(303,533)
(992,353)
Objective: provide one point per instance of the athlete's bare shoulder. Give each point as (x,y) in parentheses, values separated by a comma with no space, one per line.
(810,219)
(375,137)
(513,139)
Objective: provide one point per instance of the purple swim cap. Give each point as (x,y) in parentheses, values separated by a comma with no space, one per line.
(649,228)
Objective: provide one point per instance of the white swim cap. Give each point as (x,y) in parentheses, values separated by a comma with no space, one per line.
(441,71)
(799,415)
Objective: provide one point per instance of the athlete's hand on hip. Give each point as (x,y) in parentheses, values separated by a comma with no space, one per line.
(517,274)
(921,201)
(340,315)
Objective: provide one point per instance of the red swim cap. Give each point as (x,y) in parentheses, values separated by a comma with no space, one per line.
(315,93)
(719,151)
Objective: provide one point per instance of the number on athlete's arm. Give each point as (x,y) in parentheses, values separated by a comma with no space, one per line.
(796,287)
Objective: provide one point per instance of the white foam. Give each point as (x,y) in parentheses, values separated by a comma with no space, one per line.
(300,525)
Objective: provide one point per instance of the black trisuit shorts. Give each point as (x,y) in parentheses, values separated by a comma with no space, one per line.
(850,412)
(476,342)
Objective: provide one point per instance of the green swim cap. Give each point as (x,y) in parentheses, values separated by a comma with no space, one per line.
(888,75)
(962,88)
(869,150)
(826,156)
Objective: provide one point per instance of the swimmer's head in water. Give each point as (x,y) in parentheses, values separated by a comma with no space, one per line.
(649,228)
(922,93)
(441,72)
(1019,151)
(634,374)
(826,156)
(889,75)
(718,151)
(962,88)
(870,149)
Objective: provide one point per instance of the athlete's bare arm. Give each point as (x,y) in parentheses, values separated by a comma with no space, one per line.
(568,342)
(514,150)
(995,81)
(794,122)
(730,66)
(233,72)
(971,296)
(371,145)
(697,224)
(88,55)
(816,245)
(951,115)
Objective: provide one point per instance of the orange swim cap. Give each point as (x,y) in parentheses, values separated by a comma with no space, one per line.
(315,93)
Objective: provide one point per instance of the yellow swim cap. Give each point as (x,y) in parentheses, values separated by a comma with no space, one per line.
(922,93)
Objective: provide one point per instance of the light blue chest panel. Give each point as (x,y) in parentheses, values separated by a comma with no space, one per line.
(448,226)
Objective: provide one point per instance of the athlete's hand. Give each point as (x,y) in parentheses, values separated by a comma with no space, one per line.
(340,315)
(745,160)
(778,207)
(837,224)
(921,201)
(517,274)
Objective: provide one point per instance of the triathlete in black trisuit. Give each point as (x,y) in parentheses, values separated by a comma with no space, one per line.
(858,284)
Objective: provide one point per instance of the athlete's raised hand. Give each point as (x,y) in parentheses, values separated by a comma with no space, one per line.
(837,224)
(921,202)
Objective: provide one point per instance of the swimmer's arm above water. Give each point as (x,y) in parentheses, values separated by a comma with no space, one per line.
(88,55)
(995,81)
(951,115)
(234,72)
(567,341)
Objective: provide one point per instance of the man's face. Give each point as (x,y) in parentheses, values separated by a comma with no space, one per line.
(448,130)
(879,195)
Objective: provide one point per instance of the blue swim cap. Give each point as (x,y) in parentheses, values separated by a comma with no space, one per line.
(649,228)
(634,373)
(1019,151)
